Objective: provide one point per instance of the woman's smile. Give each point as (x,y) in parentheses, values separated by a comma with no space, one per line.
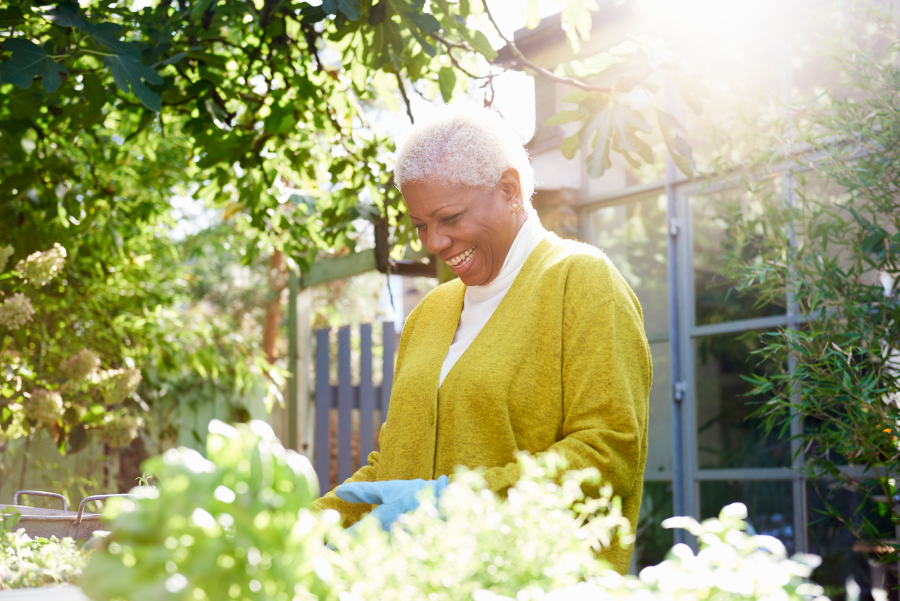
(461,261)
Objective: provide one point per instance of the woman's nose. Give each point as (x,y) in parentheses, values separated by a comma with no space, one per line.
(436,242)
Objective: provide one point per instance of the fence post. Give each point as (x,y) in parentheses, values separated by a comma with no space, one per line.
(387,370)
(366,394)
(345,407)
(323,411)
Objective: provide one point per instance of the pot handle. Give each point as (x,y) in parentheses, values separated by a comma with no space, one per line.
(40,493)
(86,500)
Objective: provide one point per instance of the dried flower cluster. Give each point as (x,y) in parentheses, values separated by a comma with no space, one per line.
(116,385)
(118,430)
(42,266)
(16,311)
(44,406)
(80,366)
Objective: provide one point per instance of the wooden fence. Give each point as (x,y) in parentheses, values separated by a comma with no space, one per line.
(336,404)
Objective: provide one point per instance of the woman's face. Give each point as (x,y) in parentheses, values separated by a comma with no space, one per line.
(470,229)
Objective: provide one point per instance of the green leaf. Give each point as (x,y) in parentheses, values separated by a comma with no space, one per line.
(330,7)
(598,161)
(175,58)
(480,43)
(129,70)
(281,120)
(10,17)
(94,92)
(29,61)
(679,149)
(200,7)
(63,16)
(108,35)
(569,146)
(426,47)
(534,14)
(563,117)
(377,13)
(691,90)
(350,8)
(447,81)
(577,21)
(426,23)
(576,97)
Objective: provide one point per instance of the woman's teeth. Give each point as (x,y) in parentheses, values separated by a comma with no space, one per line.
(461,258)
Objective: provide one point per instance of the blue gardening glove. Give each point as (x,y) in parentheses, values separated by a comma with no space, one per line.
(393,497)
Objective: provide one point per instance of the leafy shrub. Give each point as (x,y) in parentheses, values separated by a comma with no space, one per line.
(31,562)
(237,525)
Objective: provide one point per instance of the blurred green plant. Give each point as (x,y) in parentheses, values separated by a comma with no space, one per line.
(237,525)
(27,562)
(830,246)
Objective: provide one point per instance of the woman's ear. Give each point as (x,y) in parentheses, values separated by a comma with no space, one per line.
(511,189)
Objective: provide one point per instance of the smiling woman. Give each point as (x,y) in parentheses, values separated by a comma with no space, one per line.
(539,345)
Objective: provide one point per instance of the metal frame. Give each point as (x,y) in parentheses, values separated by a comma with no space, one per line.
(683,329)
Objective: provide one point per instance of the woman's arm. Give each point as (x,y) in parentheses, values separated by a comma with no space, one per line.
(606,376)
(352,512)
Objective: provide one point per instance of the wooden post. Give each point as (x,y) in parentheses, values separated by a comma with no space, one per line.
(345,407)
(366,394)
(387,370)
(322,454)
(291,422)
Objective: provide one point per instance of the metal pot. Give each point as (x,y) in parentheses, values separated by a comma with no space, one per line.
(39,522)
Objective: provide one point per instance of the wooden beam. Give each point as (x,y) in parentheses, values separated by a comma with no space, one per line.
(337,268)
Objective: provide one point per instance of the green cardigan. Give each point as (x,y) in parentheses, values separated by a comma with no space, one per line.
(563,364)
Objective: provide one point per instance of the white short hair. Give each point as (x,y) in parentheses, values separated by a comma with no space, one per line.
(464,145)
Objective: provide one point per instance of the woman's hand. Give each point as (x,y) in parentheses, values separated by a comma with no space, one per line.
(393,497)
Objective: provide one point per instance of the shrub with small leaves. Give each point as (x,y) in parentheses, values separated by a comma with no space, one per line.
(545,535)
(42,266)
(118,429)
(27,562)
(538,547)
(44,406)
(16,311)
(80,365)
(238,526)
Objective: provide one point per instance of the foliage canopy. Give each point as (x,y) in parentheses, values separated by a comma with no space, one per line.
(831,248)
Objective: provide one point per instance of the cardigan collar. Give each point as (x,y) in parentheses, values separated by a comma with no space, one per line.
(525,241)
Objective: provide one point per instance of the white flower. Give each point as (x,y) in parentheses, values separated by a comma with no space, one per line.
(16,311)
(42,266)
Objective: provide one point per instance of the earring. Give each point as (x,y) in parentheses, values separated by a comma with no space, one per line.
(516,206)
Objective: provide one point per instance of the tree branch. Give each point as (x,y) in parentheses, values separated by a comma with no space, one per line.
(405,97)
(538,69)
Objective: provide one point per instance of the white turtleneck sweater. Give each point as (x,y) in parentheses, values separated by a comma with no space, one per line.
(480,302)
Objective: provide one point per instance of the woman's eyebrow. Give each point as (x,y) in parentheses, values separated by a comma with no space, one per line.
(454,208)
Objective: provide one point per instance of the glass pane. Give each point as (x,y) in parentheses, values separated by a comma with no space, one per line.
(769,505)
(842,555)
(634,237)
(715,297)
(653,541)
(659,446)
(726,438)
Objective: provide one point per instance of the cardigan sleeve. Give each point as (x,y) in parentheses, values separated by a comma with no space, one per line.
(606,376)
(353,512)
